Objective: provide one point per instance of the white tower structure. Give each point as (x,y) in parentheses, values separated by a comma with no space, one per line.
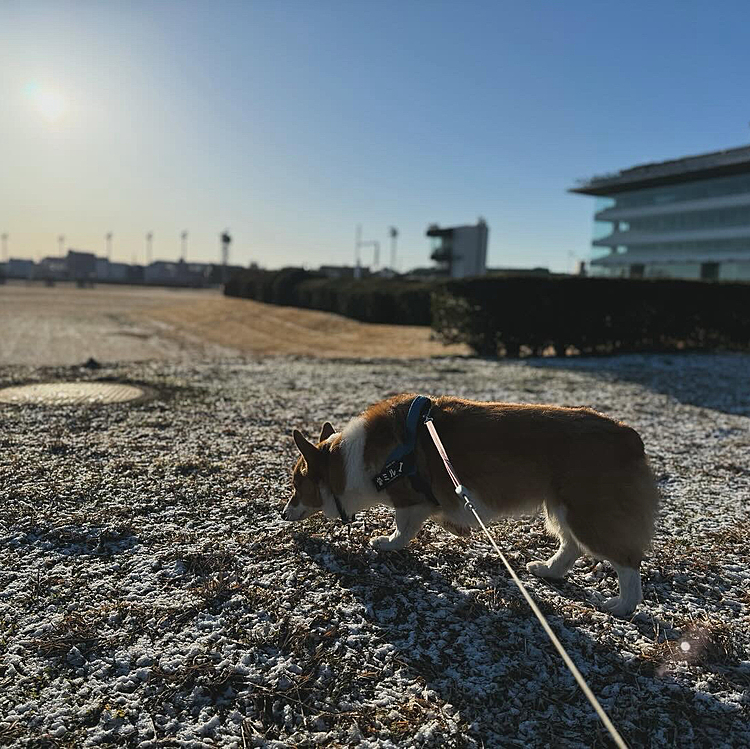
(460,250)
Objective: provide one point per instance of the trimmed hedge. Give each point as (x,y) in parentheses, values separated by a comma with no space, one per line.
(507,315)
(496,315)
(377,300)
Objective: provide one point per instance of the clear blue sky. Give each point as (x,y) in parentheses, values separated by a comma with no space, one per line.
(290,122)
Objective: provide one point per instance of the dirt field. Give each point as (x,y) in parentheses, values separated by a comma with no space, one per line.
(64,325)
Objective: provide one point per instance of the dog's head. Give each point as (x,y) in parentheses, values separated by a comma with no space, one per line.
(310,477)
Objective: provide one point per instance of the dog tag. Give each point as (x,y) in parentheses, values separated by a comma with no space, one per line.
(392,471)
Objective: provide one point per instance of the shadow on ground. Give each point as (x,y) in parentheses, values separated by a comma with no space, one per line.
(483,652)
(716,381)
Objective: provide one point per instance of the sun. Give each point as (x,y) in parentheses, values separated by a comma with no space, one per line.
(48,102)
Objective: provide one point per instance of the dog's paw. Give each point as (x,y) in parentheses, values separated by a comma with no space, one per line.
(384,543)
(617,607)
(540,569)
(379,542)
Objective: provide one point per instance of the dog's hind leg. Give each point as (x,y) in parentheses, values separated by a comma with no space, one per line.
(409,520)
(631,593)
(560,563)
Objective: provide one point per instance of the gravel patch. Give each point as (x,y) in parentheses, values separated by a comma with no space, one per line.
(151,595)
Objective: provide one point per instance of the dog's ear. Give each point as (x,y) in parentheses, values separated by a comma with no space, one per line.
(309,451)
(326,431)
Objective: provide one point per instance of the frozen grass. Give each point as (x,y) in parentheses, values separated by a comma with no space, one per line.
(151,595)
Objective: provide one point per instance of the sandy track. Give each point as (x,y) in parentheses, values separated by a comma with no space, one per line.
(253,327)
(63,325)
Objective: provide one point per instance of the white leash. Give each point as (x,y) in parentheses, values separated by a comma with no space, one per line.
(590,696)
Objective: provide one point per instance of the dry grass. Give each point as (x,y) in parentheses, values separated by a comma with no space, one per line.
(66,325)
(705,641)
(73,630)
(257,328)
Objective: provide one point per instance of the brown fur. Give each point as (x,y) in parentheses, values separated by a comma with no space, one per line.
(517,458)
(322,464)
(588,472)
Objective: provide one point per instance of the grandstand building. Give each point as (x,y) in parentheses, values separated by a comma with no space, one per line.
(686,218)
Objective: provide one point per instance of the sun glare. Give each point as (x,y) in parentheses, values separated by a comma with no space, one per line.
(49,103)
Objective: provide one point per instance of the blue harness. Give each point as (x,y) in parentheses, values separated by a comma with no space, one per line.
(403,459)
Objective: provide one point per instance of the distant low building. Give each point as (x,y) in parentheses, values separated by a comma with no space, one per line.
(107,271)
(81,266)
(165,273)
(539,271)
(135,274)
(87,267)
(343,271)
(118,272)
(18,268)
(102,269)
(161,273)
(685,218)
(460,251)
(52,268)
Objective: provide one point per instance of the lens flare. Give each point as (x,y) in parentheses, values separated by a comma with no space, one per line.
(48,102)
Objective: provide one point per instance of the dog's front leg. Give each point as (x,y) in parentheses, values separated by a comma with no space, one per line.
(408,522)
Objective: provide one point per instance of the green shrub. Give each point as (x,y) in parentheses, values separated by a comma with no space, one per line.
(496,315)
(376,300)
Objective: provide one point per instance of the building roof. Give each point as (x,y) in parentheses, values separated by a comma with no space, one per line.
(686,169)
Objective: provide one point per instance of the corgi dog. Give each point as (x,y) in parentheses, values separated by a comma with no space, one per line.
(585,471)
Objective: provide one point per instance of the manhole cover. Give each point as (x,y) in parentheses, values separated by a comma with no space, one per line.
(64,393)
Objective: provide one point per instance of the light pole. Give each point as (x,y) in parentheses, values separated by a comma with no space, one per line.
(4,237)
(60,243)
(394,234)
(226,240)
(357,245)
(149,239)
(184,237)
(108,237)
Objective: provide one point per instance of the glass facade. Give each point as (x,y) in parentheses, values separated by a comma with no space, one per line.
(697,229)
(707,219)
(682,218)
(697,190)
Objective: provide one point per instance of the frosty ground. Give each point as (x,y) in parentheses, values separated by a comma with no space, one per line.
(151,595)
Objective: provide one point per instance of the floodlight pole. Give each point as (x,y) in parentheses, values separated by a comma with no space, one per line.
(60,243)
(375,250)
(149,239)
(108,237)
(394,235)
(4,237)
(357,244)
(184,237)
(226,240)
